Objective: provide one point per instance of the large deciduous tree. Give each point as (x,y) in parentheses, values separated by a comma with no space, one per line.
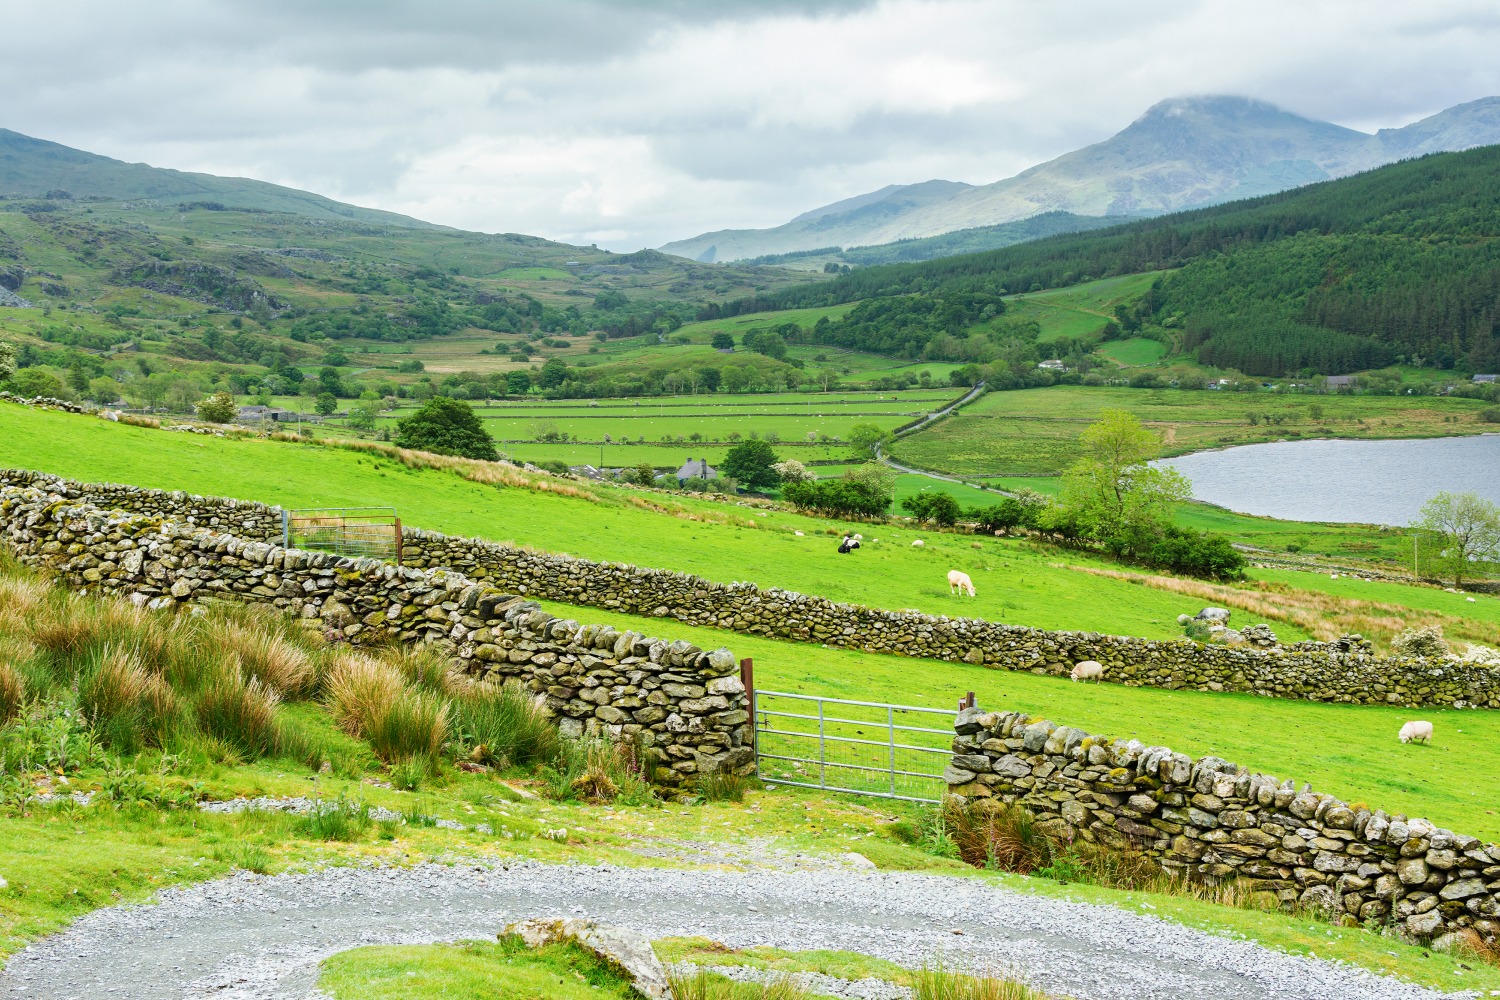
(1111,492)
(448,427)
(1464,528)
(750,464)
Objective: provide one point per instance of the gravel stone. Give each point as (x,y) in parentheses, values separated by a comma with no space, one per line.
(252,937)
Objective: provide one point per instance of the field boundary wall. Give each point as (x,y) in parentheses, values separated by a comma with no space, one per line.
(689,705)
(1345,671)
(1210,820)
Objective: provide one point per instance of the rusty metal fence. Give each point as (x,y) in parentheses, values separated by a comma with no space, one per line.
(373,532)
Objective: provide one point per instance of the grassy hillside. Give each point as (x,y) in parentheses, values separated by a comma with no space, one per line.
(1034,432)
(251,299)
(1341,276)
(1017,582)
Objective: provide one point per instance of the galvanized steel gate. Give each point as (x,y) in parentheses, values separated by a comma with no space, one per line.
(861,747)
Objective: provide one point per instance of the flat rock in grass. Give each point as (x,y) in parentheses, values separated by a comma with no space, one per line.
(627,950)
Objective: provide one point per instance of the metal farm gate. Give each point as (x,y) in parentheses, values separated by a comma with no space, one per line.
(373,532)
(861,747)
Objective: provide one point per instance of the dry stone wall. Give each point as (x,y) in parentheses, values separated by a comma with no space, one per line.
(1213,820)
(1334,672)
(686,703)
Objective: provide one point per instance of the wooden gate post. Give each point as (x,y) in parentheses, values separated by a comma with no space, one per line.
(398,540)
(747,678)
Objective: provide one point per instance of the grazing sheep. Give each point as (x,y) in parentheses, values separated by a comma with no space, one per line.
(918,544)
(1088,670)
(1416,730)
(959,582)
(1470,600)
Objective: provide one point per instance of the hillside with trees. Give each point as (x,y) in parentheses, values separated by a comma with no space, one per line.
(1398,263)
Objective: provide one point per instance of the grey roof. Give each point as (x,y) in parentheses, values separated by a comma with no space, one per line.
(1341,380)
(1486,378)
(697,468)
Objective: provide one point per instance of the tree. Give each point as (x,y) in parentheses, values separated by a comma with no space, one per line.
(7,362)
(1112,494)
(1464,529)
(362,415)
(723,342)
(863,438)
(329,382)
(104,390)
(217,409)
(750,463)
(447,427)
(518,383)
(792,471)
(326,403)
(939,508)
(33,382)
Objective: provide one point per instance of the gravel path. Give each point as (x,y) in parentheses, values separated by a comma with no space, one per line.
(260,937)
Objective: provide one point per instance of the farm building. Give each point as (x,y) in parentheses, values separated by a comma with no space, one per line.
(1341,383)
(1486,378)
(696,468)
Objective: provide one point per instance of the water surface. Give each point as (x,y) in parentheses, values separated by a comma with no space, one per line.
(1370,482)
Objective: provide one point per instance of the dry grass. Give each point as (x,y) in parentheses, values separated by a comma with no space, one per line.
(372,700)
(261,653)
(704,985)
(12,690)
(240,713)
(1323,616)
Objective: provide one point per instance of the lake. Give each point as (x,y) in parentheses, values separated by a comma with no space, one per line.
(1370,482)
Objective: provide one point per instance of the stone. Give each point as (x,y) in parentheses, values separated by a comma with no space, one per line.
(1424,925)
(627,951)
(1463,889)
(1411,871)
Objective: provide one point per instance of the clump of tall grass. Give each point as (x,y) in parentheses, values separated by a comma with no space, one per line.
(371,700)
(597,769)
(704,985)
(241,713)
(504,724)
(937,982)
(129,706)
(12,690)
(262,652)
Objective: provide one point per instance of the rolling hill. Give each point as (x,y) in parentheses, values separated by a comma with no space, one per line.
(1182,153)
(1401,262)
(33,168)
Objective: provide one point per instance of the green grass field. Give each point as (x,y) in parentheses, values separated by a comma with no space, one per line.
(1348,751)
(1133,352)
(1016,583)
(1034,432)
(1080,310)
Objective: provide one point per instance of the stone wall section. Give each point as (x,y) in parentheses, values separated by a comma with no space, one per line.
(1345,672)
(688,704)
(1210,819)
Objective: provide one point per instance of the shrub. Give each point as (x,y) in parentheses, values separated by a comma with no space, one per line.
(218,408)
(447,427)
(1490,414)
(500,724)
(1427,641)
(997,836)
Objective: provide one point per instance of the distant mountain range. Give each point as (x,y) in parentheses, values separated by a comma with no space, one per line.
(33,168)
(1182,153)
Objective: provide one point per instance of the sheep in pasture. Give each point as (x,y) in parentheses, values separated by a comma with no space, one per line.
(849,544)
(1470,600)
(1088,670)
(1416,730)
(918,544)
(797,533)
(958,583)
(858,537)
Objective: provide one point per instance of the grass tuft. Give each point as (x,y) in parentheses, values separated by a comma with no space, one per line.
(504,725)
(241,713)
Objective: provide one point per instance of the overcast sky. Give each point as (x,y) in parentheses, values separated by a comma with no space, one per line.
(633,122)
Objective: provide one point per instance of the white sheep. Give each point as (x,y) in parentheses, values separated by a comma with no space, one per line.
(958,583)
(918,544)
(858,537)
(1415,731)
(1088,670)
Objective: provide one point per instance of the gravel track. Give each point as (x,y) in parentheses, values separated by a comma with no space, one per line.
(250,936)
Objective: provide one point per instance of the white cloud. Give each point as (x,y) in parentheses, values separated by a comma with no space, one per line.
(633,122)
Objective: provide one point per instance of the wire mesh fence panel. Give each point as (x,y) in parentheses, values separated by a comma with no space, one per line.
(868,748)
(373,532)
